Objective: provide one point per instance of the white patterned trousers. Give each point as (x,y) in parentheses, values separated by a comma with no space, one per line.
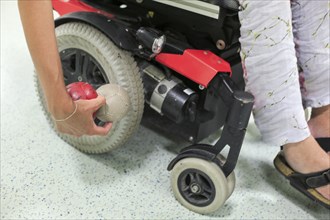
(280,40)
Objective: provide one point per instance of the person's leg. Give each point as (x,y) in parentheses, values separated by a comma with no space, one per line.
(319,124)
(311,32)
(271,73)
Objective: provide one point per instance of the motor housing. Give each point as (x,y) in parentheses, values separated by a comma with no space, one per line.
(168,95)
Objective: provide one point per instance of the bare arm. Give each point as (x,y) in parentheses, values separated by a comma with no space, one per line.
(38,24)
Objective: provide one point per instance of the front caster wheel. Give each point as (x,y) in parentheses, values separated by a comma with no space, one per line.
(199,185)
(231,178)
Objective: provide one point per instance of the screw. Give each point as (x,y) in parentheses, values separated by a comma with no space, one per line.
(205,52)
(201,87)
(191,138)
(221,44)
(79,78)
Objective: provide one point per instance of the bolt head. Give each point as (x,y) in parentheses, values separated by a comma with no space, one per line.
(195,188)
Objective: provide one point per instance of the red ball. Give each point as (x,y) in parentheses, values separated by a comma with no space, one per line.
(81,90)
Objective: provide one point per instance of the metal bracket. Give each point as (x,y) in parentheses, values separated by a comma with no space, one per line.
(240,105)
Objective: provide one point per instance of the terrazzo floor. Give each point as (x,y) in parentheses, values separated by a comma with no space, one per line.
(42,177)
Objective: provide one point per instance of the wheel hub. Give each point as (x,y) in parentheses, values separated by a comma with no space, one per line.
(80,66)
(196,187)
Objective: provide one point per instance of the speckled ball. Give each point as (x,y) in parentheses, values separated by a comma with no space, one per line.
(117,103)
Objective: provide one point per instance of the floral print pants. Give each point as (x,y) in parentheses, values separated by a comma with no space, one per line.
(280,41)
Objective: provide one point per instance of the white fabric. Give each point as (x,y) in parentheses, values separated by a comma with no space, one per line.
(270,48)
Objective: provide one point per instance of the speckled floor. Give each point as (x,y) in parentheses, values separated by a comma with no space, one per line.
(42,177)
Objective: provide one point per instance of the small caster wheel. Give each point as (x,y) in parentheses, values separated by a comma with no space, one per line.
(231,179)
(199,185)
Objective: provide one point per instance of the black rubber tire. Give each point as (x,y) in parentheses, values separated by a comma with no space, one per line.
(119,67)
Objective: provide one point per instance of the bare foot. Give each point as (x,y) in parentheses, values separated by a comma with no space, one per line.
(307,157)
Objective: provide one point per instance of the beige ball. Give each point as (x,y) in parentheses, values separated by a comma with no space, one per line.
(118,103)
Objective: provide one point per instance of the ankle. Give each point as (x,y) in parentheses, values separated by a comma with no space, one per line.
(306,156)
(321,111)
(319,124)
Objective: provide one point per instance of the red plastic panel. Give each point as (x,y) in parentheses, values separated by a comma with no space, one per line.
(69,6)
(199,66)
